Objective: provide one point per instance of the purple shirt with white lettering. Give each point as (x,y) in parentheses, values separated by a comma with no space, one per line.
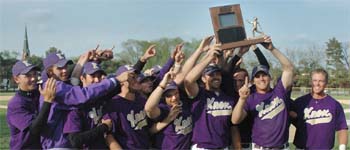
(269,111)
(178,133)
(211,114)
(80,120)
(317,122)
(21,111)
(130,123)
(67,98)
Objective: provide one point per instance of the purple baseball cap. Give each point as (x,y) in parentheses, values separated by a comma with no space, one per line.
(91,68)
(156,69)
(57,59)
(142,77)
(23,67)
(211,68)
(123,69)
(260,68)
(171,86)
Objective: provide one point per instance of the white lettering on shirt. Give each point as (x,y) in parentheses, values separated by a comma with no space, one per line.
(138,120)
(271,110)
(317,116)
(183,126)
(220,108)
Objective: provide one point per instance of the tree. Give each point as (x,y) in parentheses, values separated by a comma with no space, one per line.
(52,49)
(336,63)
(134,49)
(7,60)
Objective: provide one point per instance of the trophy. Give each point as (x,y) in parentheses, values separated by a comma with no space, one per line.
(229,27)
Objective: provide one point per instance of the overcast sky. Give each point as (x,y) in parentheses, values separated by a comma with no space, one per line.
(77,25)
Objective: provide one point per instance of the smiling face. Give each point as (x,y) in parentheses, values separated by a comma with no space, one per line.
(88,79)
(262,82)
(212,81)
(27,82)
(59,73)
(172,97)
(318,83)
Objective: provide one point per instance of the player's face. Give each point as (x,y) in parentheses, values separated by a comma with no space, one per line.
(318,83)
(239,78)
(133,85)
(213,80)
(172,97)
(93,78)
(60,73)
(147,86)
(27,82)
(262,81)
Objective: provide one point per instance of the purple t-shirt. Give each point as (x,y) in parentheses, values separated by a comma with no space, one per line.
(67,98)
(269,111)
(317,122)
(83,120)
(130,122)
(178,134)
(21,111)
(211,114)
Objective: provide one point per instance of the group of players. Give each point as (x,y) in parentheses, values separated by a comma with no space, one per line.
(209,103)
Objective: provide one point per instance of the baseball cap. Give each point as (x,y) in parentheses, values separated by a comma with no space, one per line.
(260,68)
(141,77)
(156,69)
(23,67)
(57,59)
(123,69)
(211,68)
(91,68)
(171,86)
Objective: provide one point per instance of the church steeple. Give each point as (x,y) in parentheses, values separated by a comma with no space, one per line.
(26,52)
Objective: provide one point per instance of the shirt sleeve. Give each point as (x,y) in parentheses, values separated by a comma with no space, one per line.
(20,117)
(73,122)
(165,68)
(74,95)
(340,118)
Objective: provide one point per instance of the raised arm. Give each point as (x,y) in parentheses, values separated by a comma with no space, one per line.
(261,58)
(238,113)
(149,53)
(191,61)
(287,66)
(191,78)
(151,107)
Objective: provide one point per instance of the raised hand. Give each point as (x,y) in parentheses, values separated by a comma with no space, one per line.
(150,52)
(205,44)
(243,50)
(49,92)
(180,55)
(166,79)
(268,43)
(177,50)
(174,111)
(215,50)
(244,91)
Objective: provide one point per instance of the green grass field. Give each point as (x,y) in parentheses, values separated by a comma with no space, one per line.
(5,133)
(4,130)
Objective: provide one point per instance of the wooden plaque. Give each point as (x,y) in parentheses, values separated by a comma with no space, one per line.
(229,27)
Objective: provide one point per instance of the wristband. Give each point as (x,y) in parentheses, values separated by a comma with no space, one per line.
(177,65)
(342,147)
